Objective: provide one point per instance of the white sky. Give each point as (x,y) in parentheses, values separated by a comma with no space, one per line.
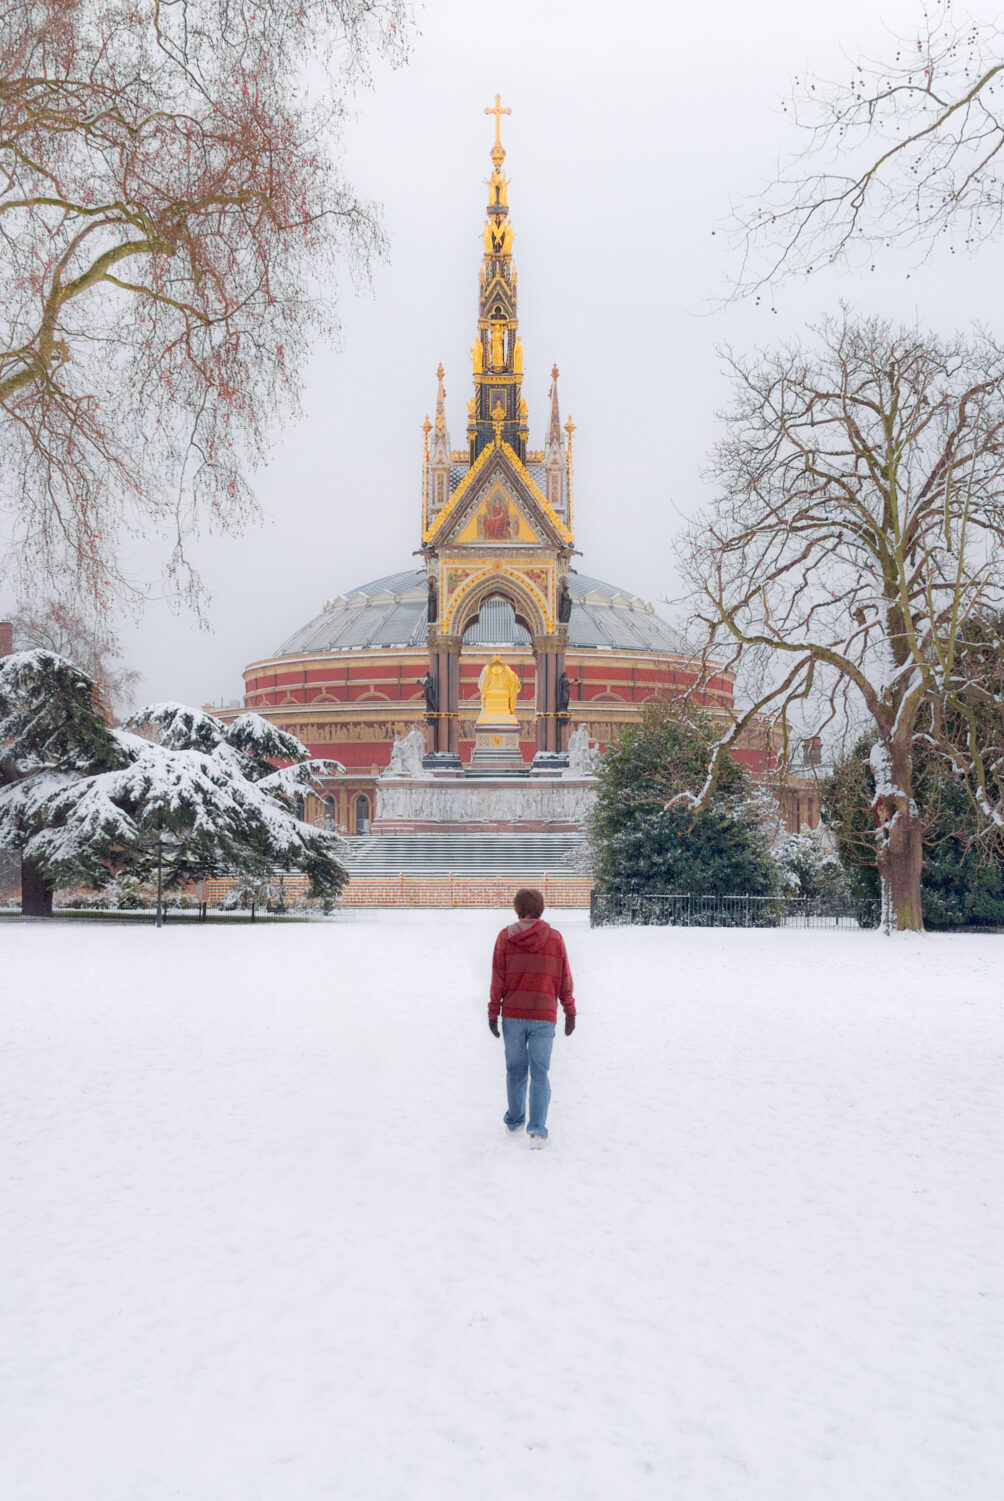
(632,126)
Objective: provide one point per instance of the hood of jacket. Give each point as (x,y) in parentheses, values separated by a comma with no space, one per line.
(532,938)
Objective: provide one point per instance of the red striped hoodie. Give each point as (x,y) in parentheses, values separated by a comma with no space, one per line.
(530,973)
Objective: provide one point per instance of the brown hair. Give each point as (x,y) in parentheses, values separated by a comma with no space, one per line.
(528,902)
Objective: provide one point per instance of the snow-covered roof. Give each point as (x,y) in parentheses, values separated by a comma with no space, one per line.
(391,611)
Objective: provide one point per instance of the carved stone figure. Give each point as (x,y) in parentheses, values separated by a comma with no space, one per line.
(582,752)
(499,687)
(406,755)
(564,693)
(433,607)
(564,604)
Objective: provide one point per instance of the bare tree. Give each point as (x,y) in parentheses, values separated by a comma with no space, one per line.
(855,553)
(906,150)
(82,639)
(169,205)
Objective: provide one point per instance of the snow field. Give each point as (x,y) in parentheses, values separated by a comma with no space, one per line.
(264,1237)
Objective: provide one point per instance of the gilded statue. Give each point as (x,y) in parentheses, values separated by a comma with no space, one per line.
(499,687)
(476,356)
(498,344)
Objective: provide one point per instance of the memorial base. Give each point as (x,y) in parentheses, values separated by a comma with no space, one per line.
(496,748)
(484,804)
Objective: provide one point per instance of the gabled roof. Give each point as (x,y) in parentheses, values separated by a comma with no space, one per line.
(439,530)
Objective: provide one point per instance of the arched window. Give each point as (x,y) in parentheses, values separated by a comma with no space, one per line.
(329,812)
(362,811)
(299,807)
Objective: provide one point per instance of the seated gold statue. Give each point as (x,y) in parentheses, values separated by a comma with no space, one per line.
(499,688)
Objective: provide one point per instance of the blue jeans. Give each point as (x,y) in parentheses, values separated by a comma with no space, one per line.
(527,1051)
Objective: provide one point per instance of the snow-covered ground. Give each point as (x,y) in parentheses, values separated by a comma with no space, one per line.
(263,1235)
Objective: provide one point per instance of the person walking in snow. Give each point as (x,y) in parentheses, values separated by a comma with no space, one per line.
(530,975)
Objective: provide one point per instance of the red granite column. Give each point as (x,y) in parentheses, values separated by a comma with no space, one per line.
(561,719)
(444,665)
(541,663)
(547,692)
(453,678)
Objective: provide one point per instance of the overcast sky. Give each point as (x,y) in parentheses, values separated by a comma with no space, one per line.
(632,126)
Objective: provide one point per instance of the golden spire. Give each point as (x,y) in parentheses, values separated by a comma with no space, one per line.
(498,110)
(440,400)
(426,430)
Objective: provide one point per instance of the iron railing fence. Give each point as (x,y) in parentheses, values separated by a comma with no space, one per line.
(690,910)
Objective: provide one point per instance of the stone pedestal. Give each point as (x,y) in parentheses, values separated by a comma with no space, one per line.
(496,747)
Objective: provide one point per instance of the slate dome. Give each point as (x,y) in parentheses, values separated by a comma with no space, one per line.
(391,612)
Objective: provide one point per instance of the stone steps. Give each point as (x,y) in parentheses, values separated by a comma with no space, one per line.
(520,855)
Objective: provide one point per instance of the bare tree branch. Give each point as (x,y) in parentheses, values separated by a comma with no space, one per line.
(856,551)
(170,212)
(905,150)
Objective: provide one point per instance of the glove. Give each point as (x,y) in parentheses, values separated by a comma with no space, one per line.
(493,1025)
(569,1024)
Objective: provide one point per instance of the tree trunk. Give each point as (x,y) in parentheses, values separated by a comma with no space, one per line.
(901,843)
(903,864)
(36,894)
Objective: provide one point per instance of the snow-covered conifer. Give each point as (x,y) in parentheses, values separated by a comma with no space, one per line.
(641,845)
(88,802)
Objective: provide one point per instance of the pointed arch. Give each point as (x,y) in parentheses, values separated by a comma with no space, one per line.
(528,606)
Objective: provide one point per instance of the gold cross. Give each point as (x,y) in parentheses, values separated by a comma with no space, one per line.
(498,111)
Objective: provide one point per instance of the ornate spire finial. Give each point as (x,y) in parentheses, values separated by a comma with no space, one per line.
(498,109)
(427,426)
(554,372)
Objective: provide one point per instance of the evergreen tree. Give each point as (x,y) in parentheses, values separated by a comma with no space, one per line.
(962,883)
(52,732)
(810,867)
(84,803)
(640,845)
